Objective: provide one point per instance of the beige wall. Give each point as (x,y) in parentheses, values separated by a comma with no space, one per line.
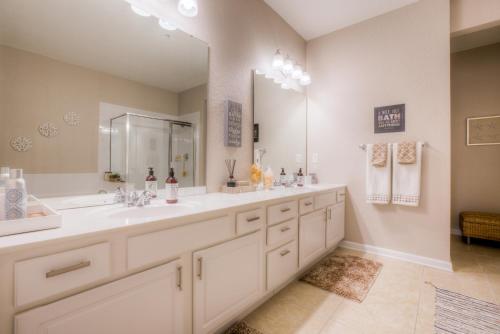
(475,82)
(472,15)
(36,89)
(399,57)
(242,35)
(194,100)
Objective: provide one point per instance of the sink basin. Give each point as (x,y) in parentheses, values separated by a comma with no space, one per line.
(151,211)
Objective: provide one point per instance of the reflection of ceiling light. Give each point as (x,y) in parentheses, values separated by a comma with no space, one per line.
(297,72)
(288,66)
(278,60)
(140,11)
(305,80)
(284,85)
(167,25)
(188,8)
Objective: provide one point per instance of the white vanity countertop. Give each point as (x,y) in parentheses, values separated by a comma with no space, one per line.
(89,221)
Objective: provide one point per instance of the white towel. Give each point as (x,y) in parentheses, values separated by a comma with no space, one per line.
(406,179)
(378,179)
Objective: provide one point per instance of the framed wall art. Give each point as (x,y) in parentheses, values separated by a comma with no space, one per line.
(483,131)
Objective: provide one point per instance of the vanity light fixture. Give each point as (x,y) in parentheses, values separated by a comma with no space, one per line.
(278,60)
(289,71)
(188,8)
(167,25)
(140,11)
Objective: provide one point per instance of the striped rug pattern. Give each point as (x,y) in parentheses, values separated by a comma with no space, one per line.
(459,314)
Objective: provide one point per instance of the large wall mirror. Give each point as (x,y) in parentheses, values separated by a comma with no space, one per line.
(90,89)
(280,125)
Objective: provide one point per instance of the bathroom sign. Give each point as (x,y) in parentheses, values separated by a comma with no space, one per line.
(232,123)
(390,119)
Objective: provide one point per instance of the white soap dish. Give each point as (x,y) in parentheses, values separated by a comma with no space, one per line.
(40,217)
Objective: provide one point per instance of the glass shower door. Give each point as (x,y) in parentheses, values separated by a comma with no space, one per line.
(182,153)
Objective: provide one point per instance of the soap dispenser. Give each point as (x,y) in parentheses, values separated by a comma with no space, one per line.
(283,178)
(152,183)
(300,178)
(171,187)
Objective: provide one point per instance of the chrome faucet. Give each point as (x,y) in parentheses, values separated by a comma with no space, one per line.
(133,198)
(143,199)
(120,195)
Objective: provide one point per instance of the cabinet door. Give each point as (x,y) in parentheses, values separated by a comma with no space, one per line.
(312,232)
(149,302)
(227,279)
(335,224)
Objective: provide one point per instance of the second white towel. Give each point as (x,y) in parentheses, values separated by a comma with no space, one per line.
(378,179)
(406,179)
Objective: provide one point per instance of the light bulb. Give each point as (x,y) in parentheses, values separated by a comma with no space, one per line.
(288,66)
(140,11)
(278,60)
(297,72)
(188,8)
(167,25)
(305,80)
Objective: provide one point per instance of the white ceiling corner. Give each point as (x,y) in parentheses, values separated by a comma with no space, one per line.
(314,18)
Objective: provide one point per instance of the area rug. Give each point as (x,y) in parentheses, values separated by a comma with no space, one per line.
(242,328)
(345,275)
(459,314)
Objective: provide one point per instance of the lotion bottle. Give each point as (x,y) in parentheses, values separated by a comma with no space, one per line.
(171,187)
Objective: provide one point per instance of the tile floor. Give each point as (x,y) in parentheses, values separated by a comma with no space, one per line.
(399,301)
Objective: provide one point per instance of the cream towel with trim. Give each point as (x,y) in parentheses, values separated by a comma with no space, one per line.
(378,179)
(406,179)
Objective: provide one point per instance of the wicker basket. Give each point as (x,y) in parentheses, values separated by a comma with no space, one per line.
(480,225)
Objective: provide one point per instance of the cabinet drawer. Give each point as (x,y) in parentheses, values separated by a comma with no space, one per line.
(115,308)
(162,245)
(281,212)
(282,263)
(45,276)
(249,221)
(306,205)
(341,196)
(324,200)
(281,233)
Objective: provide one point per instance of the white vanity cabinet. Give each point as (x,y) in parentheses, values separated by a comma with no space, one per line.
(312,230)
(335,225)
(149,302)
(227,278)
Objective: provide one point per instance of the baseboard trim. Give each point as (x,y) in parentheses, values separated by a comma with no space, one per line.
(456,231)
(408,257)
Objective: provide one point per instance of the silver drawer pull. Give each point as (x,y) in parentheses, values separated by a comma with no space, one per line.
(252,219)
(308,203)
(285,210)
(200,267)
(57,272)
(284,229)
(179,278)
(284,252)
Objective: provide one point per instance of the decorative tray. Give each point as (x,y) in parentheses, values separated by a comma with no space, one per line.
(238,189)
(40,217)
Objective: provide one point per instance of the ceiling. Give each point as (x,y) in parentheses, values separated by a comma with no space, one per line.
(314,18)
(105,36)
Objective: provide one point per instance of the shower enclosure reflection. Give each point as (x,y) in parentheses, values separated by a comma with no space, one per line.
(138,142)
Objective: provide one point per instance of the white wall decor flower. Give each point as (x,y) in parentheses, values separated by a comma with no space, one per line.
(72,118)
(48,130)
(21,144)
